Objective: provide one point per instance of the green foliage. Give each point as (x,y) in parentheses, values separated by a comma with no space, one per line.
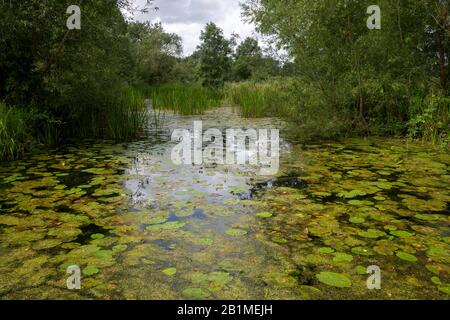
(214,56)
(14,135)
(67,83)
(372,80)
(430,118)
(155,51)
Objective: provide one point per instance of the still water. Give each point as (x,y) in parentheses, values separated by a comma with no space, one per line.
(141,227)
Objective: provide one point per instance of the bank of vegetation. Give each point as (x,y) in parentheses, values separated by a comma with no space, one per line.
(339,77)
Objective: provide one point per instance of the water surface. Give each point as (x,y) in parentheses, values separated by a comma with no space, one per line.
(142,228)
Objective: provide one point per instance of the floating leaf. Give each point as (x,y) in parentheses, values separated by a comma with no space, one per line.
(372,233)
(357,220)
(334,279)
(406,256)
(326,250)
(170,271)
(90,270)
(264,215)
(342,257)
(236,232)
(401,234)
(197,293)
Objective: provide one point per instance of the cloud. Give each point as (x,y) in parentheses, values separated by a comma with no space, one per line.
(188,17)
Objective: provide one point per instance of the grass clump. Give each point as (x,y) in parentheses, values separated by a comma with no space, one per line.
(255,100)
(183,99)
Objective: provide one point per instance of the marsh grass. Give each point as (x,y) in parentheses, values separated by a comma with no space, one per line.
(14,134)
(120,117)
(183,99)
(255,100)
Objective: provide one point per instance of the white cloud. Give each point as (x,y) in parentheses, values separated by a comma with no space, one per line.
(188,17)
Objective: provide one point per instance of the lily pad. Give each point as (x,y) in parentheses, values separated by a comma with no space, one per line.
(326,250)
(342,257)
(236,232)
(406,256)
(401,234)
(357,220)
(264,214)
(170,271)
(90,270)
(334,279)
(372,234)
(197,293)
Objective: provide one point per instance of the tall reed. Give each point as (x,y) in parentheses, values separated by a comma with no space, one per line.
(14,134)
(183,99)
(254,100)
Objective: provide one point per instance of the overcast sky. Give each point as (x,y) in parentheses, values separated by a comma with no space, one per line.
(188,17)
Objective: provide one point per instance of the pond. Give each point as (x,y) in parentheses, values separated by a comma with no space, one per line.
(140,227)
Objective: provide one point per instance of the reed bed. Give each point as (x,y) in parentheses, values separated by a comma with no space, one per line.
(184,99)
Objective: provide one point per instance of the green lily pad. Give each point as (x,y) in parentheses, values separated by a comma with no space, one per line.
(236,232)
(197,293)
(436,280)
(342,257)
(406,256)
(326,250)
(220,277)
(372,234)
(166,226)
(90,270)
(97,236)
(357,220)
(170,271)
(352,194)
(334,279)
(362,251)
(445,289)
(119,248)
(426,217)
(401,234)
(264,215)
(361,270)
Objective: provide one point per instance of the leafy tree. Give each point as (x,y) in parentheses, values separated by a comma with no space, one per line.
(155,51)
(214,56)
(246,59)
(368,75)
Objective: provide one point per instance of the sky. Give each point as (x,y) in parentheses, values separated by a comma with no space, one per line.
(187,18)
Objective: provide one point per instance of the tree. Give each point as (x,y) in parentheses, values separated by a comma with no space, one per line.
(246,59)
(370,75)
(214,56)
(155,51)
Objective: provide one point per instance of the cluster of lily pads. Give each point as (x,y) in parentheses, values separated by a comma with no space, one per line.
(140,227)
